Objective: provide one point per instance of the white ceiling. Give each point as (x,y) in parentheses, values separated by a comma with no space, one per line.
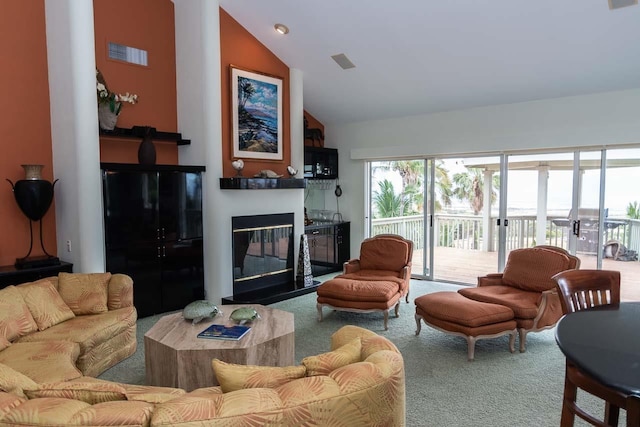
(424,56)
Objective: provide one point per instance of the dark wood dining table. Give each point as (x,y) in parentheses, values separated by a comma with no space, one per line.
(604,342)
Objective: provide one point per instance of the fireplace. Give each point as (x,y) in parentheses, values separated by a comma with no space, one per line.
(263,258)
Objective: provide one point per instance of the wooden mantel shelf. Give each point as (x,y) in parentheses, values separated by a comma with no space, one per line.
(138,132)
(241,183)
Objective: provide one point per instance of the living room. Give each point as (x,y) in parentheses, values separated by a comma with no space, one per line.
(50,119)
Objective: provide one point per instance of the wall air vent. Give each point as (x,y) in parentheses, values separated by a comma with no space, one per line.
(342,60)
(127,54)
(617,4)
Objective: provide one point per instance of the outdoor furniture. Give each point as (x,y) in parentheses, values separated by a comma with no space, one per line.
(526,286)
(584,290)
(454,314)
(374,282)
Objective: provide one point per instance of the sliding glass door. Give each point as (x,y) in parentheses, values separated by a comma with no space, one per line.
(399,204)
(465,214)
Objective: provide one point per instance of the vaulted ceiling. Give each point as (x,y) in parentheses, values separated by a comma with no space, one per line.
(423,56)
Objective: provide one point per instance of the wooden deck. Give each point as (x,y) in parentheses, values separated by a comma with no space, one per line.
(464,266)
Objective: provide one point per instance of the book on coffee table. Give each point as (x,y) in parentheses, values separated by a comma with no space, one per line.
(222,332)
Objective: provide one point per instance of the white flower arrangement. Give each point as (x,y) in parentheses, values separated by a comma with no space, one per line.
(114,100)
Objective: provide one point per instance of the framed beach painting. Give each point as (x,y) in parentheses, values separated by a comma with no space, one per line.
(256,114)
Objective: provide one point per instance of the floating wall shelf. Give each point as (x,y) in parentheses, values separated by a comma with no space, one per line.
(138,132)
(241,183)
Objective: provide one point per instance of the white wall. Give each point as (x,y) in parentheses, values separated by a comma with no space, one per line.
(593,120)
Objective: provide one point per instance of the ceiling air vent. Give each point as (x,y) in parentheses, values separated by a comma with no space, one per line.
(617,4)
(342,60)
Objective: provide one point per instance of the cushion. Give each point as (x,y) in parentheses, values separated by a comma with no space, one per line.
(525,304)
(382,253)
(84,293)
(358,290)
(232,377)
(45,304)
(43,362)
(15,318)
(531,269)
(151,394)
(14,382)
(4,343)
(454,307)
(325,363)
(91,392)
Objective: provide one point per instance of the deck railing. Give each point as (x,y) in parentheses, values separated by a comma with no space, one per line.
(466,232)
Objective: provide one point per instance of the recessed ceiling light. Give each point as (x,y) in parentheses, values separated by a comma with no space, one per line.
(281,28)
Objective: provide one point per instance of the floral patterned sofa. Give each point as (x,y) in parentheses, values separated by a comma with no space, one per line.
(61,328)
(360,382)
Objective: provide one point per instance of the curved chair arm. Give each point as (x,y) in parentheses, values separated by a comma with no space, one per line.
(351,266)
(492,279)
(549,310)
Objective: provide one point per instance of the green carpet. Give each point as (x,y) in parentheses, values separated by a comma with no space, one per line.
(443,389)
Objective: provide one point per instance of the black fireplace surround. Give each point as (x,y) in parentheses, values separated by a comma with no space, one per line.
(263,259)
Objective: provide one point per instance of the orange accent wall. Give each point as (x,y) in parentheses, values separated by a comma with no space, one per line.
(243,50)
(25,123)
(148,25)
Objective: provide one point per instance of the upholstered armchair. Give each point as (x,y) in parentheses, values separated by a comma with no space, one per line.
(526,286)
(374,282)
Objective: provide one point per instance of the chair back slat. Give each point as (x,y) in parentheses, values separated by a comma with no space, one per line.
(585,289)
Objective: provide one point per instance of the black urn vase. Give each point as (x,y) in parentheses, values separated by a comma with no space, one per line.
(34,196)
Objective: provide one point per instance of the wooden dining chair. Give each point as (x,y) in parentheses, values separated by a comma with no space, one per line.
(584,290)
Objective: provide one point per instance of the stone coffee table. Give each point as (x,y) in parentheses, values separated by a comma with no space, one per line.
(176,357)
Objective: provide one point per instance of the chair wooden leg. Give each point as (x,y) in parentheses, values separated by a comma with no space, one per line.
(512,341)
(386,319)
(523,340)
(568,402)
(418,324)
(471,347)
(397,310)
(319,307)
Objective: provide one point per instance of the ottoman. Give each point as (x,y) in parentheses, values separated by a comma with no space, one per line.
(454,314)
(359,296)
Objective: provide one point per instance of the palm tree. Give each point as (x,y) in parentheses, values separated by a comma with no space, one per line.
(443,186)
(470,186)
(412,173)
(633,211)
(245,92)
(387,203)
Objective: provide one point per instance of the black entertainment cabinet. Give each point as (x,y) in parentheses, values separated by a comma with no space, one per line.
(328,246)
(153,232)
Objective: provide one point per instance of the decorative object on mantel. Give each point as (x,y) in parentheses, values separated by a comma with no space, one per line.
(146,150)
(243,183)
(34,196)
(267,173)
(110,103)
(238,165)
(304,277)
(197,311)
(292,171)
